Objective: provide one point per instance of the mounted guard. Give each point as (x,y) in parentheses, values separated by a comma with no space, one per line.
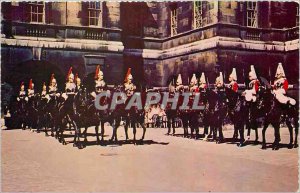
(281,86)
(70,85)
(30,91)
(253,87)
(233,81)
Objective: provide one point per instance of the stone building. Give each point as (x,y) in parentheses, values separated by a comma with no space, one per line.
(158,40)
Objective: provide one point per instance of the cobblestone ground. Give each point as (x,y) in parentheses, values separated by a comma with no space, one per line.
(32,162)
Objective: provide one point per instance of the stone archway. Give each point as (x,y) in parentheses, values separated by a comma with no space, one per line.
(39,71)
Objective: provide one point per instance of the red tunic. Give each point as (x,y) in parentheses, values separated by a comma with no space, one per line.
(255,84)
(234,86)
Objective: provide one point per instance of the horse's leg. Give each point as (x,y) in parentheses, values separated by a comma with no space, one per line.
(85,134)
(221,137)
(296,121)
(102,129)
(188,124)
(290,127)
(144,131)
(133,124)
(77,135)
(115,129)
(256,133)
(266,124)
(240,127)
(97,133)
(277,135)
(126,127)
(168,125)
(173,125)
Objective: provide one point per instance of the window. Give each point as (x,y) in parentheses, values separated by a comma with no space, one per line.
(210,5)
(297,15)
(251,14)
(174,16)
(198,14)
(37,12)
(95,13)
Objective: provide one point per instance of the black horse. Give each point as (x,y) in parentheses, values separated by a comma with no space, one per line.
(132,116)
(217,111)
(273,111)
(237,111)
(67,115)
(88,115)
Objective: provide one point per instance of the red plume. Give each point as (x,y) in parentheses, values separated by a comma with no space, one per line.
(76,76)
(70,71)
(127,74)
(97,72)
(22,83)
(30,84)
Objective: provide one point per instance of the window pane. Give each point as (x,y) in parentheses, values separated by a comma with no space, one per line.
(34,18)
(40,18)
(97,5)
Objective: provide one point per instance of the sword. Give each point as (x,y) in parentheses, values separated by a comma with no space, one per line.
(207,82)
(270,75)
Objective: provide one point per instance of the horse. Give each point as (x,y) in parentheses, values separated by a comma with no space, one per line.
(67,115)
(88,115)
(131,116)
(42,118)
(272,111)
(217,112)
(237,112)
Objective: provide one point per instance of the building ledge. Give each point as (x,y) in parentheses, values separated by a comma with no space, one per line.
(214,43)
(43,42)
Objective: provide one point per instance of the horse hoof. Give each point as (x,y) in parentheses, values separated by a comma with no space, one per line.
(263,147)
(290,146)
(295,145)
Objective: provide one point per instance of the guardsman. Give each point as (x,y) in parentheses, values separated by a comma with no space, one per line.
(219,83)
(194,85)
(179,86)
(70,85)
(280,86)
(78,83)
(44,95)
(53,86)
(250,94)
(22,93)
(44,91)
(100,84)
(220,108)
(30,89)
(129,87)
(233,81)
(202,82)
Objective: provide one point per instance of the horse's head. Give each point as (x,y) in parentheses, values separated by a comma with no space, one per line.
(266,97)
(81,98)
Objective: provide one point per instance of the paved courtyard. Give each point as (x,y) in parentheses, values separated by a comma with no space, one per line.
(32,162)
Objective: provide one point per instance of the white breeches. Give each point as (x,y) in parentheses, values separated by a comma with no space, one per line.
(282,98)
(250,95)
